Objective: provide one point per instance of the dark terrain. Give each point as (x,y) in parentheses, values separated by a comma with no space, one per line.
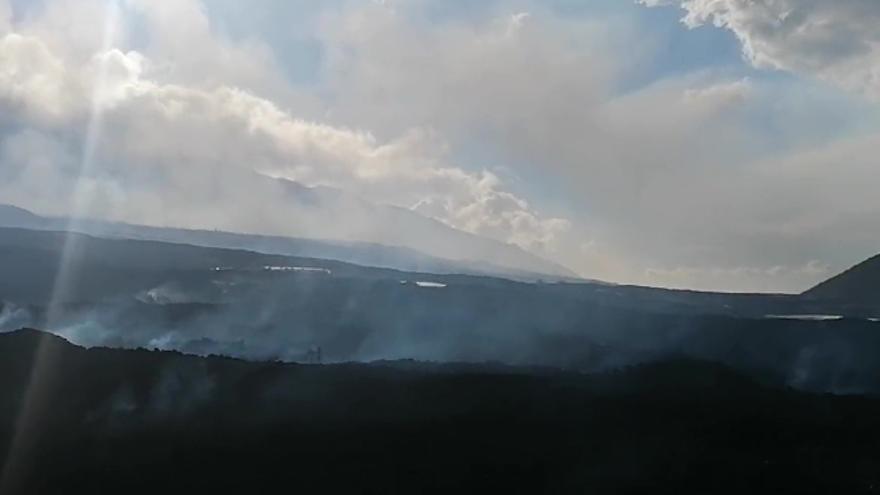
(486,257)
(117,421)
(185,377)
(135,293)
(855,286)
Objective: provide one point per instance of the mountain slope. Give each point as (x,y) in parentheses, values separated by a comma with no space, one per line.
(859,284)
(343,216)
(487,257)
(13,216)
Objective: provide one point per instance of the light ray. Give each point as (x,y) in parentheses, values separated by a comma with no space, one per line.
(36,400)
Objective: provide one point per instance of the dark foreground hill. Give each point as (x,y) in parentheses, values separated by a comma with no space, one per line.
(117,421)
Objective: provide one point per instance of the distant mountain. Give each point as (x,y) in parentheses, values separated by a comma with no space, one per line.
(13,216)
(487,257)
(336,214)
(859,284)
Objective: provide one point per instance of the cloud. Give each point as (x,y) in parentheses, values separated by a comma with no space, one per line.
(32,80)
(519,125)
(186,152)
(507,75)
(540,92)
(5,16)
(836,41)
(186,49)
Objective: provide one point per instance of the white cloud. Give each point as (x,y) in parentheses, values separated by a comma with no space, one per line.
(32,79)
(190,151)
(837,41)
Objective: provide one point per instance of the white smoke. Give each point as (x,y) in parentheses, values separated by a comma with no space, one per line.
(14,317)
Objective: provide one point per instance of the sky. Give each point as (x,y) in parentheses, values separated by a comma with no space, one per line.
(706,144)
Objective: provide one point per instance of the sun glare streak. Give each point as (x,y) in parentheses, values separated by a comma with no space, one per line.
(36,398)
(82,195)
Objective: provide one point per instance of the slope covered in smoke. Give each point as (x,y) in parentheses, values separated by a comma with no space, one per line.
(396,238)
(130,293)
(135,421)
(13,216)
(340,215)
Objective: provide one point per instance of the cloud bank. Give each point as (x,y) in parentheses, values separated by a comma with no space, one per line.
(183,152)
(518,123)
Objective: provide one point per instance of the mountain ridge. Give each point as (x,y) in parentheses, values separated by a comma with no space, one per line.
(358,252)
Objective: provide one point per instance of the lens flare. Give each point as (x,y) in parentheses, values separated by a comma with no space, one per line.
(37,399)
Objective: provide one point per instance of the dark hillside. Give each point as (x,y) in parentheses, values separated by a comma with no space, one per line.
(130,294)
(115,421)
(857,285)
